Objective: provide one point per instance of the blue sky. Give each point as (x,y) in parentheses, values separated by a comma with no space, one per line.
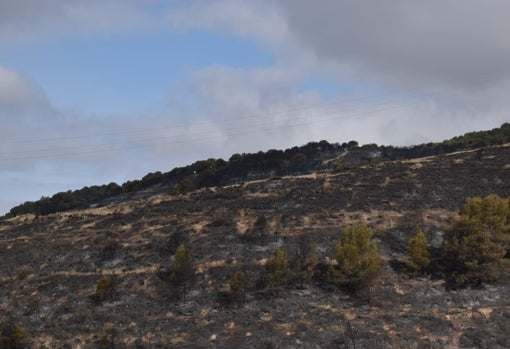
(99,91)
(119,74)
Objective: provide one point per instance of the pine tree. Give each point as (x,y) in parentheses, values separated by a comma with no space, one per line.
(478,240)
(238,287)
(277,268)
(104,288)
(492,211)
(357,258)
(418,256)
(183,270)
(471,253)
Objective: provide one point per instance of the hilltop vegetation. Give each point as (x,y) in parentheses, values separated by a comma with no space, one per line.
(311,157)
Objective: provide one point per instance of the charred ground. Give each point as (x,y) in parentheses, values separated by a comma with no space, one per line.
(51,264)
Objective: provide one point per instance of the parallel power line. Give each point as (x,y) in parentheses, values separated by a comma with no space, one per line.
(340,110)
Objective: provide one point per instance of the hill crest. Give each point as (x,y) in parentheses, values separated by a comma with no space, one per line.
(314,156)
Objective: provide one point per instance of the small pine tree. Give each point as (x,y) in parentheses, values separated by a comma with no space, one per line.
(104,288)
(238,287)
(357,258)
(418,256)
(183,270)
(277,268)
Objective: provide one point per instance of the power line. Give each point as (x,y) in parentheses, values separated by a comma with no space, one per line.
(380,105)
(230,133)
(192,134)
(347,101)
(409,92)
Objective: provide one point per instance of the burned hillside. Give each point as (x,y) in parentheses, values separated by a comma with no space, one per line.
(53,265)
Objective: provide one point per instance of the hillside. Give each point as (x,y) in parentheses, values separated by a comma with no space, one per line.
(51,264)
(314,156)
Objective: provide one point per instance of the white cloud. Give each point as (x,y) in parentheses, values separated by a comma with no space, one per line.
(453,56)
(454,43)
(434,47)
(25,113)
(241,104)
(261,20)
(28,21)
(19,95)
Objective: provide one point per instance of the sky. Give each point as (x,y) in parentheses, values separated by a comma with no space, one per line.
(100,91)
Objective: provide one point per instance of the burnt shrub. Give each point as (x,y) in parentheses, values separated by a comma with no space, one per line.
(238,287)
(259,232)
(104,289)
(13,335)
(178,237)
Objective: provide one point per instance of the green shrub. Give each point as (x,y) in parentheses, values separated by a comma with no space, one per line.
(357,259)
(277,268)
(477,241)
(418,256)
(104,288)
(183,270)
